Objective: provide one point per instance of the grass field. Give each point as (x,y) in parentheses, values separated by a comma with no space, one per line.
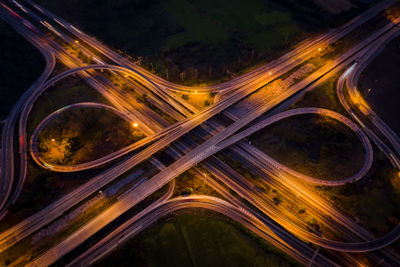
(374,200)
(314,145)
(69,91)
(20,64)
(203,39)
(334,6)
(85,134)
(190,183)
(199,101)
(196,238)
(323,96)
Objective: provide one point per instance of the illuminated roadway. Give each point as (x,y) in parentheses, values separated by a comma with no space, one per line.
(124,151)
(205,150)
(357,105)
(7,198)
(305,50)
(251,221)
(196,155)
(50,115)
(33,147)
(323,112)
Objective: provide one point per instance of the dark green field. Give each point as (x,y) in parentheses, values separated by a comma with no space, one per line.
(374,200)
(196,238)
(20,64)
(323,96)
(69,91)
(85,134)
(193,41)
(313,145)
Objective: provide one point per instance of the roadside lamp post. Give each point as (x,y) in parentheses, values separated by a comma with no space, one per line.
(368,91)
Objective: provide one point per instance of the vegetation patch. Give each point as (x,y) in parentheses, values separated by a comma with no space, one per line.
(190,183)
(373,200)
(70,91)
(197,238)
(84,134)
(202,39)
(314,145)
(323,96)
(334,6)
(199,100)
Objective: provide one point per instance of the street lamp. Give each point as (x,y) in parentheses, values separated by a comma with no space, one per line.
(270,73)
(368,91)
(53,140)
(135,124)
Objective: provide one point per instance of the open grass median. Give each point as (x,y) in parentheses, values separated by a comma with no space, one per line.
(313,145)
(69,91)
(374,200)
(84,134)
(197,238)
(203,41)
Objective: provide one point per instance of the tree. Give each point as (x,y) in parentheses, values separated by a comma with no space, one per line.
(142,98)
(277,200)
(182,75)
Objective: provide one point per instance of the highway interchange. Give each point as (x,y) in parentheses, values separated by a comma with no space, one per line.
(188,154)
